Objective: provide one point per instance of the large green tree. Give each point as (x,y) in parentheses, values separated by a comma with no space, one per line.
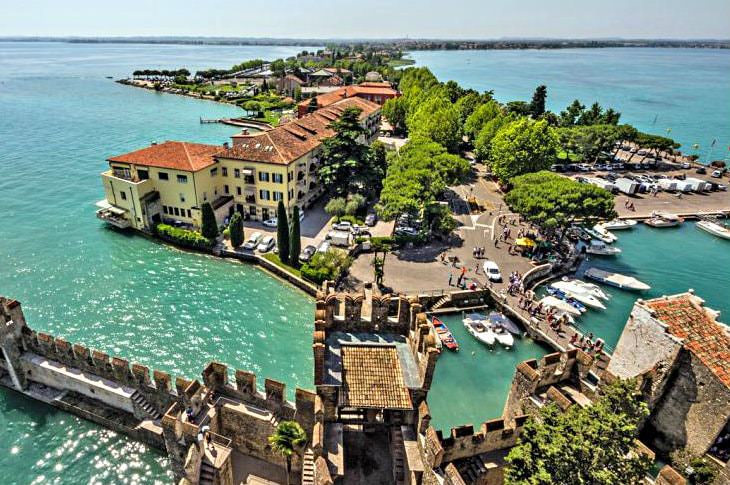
(589,141)
(282,232)
(553,202)
(483,140)
(343,154)
(480,117)
(209,226)
(593,445)
(523,146)
(537,105)
(235,228)
(438,119)
(295,239)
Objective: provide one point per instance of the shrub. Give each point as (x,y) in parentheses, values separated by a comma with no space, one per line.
(183,237)
(336,207)
(326,266)
(282,232)
(351,219)
(295,240)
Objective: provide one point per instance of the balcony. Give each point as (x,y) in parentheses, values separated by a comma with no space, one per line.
(112,215)
(119,178)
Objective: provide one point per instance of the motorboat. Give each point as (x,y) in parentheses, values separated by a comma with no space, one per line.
(600,233)
(503,336)
(587,287)
(579,293)
(661,219)
(618,224)
(560,305)
(616,279)
(600,248)
(445,335)
(496,318)
(566,298)
(478,326)
(714,228)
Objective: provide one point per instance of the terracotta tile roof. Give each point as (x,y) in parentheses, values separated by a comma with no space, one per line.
(179,155)
(372,378)
(702,335)
(326,99)
(290,141)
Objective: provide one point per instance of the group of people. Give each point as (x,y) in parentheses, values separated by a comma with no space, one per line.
(478,253)
(515,283)
(629,205)
(586,343)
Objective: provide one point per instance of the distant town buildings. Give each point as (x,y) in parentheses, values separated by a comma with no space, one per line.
(376,92)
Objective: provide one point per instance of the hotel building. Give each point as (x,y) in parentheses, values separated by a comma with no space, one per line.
(170,181)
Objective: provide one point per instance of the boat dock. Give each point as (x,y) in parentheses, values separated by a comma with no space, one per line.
(239,122)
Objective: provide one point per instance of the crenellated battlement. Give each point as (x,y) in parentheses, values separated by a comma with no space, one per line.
(345,312)
(495,434)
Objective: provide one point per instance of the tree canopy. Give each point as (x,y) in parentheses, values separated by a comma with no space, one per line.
(537,105)
(438,119)
(592,445)
(209,226)
(482,115)
(282,232)
(554,202)
(523,146)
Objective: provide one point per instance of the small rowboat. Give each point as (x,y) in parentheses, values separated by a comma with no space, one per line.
(445,335)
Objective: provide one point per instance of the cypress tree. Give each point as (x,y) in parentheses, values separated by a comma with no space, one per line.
(295,241)
(282,233)
(209,227)
(236,229)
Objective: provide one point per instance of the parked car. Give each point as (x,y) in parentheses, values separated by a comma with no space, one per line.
(371,219)
(307,253)
(406,231)
(271,222)
(342,226)
(266,244)
(584,167)
(324,247)
(252,241)
(557,167)
(685,165)
(492,271)
(716,174)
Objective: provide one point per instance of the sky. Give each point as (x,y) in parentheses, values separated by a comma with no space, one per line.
(476,19)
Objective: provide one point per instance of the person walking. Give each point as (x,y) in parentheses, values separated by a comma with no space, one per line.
(451,277)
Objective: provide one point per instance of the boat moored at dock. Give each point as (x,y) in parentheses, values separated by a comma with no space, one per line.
(445,335)
(579,293)
(618,224)
(478,326)
(601,249)
(662,219)
(560,305)
(714,228)
(616,279)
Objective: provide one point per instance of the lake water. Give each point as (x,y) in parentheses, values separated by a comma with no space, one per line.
(60,118)
(685,91)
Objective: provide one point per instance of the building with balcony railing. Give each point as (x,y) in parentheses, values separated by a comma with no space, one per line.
(170,181)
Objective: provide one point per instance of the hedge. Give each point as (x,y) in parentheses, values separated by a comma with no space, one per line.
(183,237)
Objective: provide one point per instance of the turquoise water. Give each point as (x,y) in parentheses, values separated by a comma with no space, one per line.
(686,90)
(470,386)
(59,119)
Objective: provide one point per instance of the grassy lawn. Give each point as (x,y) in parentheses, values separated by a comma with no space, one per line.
(274,258)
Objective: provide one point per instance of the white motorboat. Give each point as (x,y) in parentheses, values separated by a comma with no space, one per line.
(478,326)
(596,235)
(618,224)
(714,228)
(604,235)
(616,279)
(591,288)
(503,336)
(496,318)
(579,293)
(560,305)
(661,219)
(600,248)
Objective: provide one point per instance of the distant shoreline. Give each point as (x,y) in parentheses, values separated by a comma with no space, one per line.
(400,44)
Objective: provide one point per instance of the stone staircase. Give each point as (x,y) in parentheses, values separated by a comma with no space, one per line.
(274,420)
(144,405)
(398,453)
(207,473)
(443,301)
(308,467)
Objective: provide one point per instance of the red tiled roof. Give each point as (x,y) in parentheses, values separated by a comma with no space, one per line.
(372,378)
(179,155)
(326,99)
(292,140)
(702,335)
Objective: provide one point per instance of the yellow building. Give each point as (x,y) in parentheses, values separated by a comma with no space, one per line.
(170,181)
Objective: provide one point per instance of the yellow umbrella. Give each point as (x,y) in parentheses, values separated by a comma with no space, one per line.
(525,241)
